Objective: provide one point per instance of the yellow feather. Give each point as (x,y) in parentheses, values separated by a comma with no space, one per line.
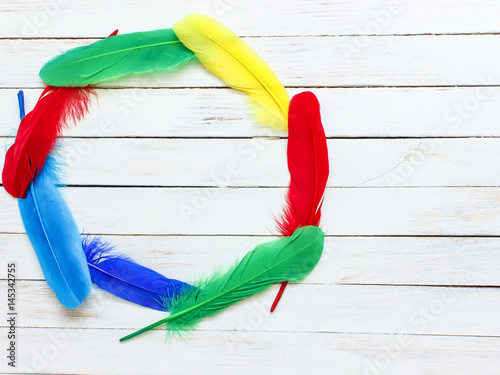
(223,53)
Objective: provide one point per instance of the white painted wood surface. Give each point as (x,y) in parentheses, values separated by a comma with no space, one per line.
(420,60)
(409,280)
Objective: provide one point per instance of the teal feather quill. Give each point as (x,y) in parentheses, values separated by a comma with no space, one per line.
(117,56)
(289,258)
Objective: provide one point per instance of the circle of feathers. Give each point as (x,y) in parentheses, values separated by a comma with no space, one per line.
(72,261)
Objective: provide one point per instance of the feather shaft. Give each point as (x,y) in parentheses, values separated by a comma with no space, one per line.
(20,99)
(278,296)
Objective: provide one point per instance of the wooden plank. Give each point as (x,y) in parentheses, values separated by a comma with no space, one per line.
(334,17)
(258,162)
(211,211)
(345,260)
(358,112)
(305,308)
(449,60)
(57,351)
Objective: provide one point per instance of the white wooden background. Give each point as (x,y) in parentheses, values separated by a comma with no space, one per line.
(409,281)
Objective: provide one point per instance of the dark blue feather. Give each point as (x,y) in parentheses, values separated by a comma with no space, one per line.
(55,238)
(126,279)
(54,234)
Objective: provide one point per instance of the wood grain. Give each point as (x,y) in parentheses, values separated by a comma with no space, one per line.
(306,308)
(270,352)
(248,211)
(355,112)
(446,60)
(258,18)
(346,260)
(262,162)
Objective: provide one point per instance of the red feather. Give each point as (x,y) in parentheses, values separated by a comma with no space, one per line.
(56,107)
(308,165)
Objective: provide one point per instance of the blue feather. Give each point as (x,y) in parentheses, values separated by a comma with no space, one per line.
(54,234)
(56,240)
(126,279)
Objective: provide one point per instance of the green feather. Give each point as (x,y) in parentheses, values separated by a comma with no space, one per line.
(290,258)
(117,56)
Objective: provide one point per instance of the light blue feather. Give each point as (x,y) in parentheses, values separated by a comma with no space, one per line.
(55,237)
(56,240)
